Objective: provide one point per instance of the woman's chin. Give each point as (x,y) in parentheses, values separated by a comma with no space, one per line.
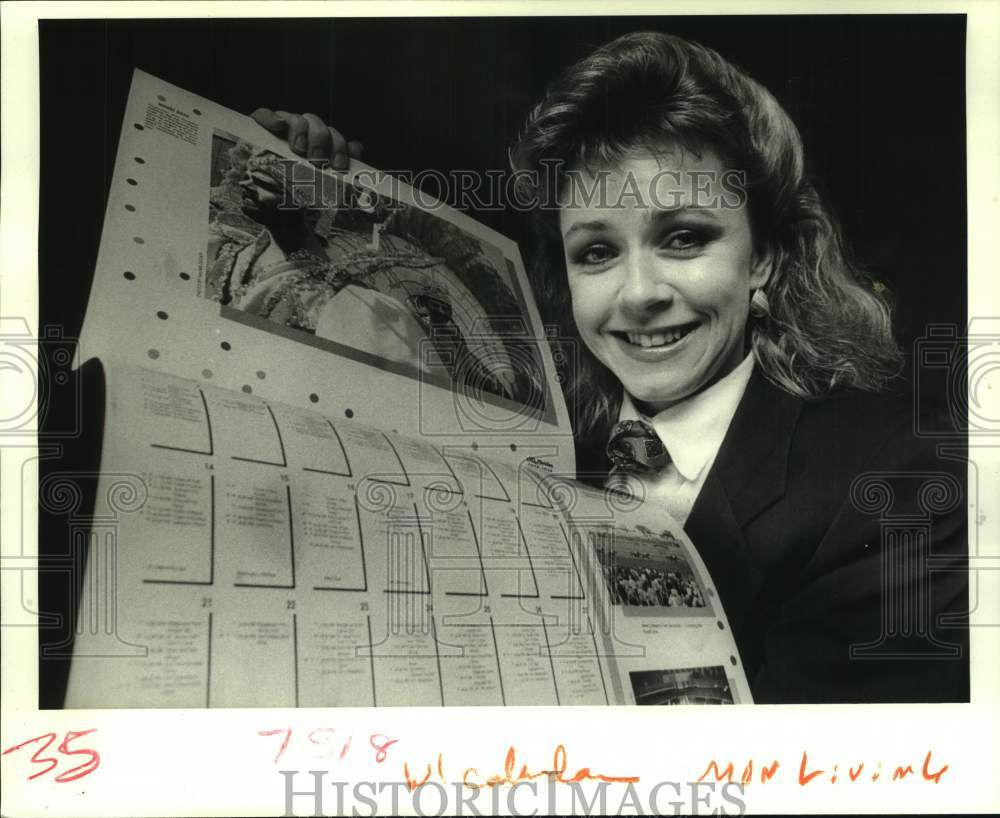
(652,399)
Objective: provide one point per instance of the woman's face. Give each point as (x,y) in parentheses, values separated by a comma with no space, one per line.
(661,269)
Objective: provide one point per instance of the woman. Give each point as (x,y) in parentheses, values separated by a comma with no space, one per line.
(683,246)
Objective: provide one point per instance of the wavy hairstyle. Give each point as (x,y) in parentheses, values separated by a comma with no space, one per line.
(825,327)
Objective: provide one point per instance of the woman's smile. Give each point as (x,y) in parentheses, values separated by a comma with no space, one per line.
(655,347)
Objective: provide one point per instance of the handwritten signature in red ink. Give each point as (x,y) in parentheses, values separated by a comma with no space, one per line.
(809,772)
(512,775)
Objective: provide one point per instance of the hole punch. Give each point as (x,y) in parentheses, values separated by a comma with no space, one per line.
(206,373)
(161,98)
(140,160)
(226,346)
(128,275)
(138,127)
(721,626)
(153,353)
(130,208)
(162,315)
(185,276)
(247,388)
(138,240)
(732,659)
(261,374)
(513,447)
(475,447)
(314,397)
(349,413)
(196,111)
(131,181)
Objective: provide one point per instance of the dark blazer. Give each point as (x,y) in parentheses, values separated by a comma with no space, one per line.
(837,540)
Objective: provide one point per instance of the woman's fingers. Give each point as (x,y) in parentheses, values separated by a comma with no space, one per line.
(319,143)
(267,118)
(297,132)
(309,136)
(339,158)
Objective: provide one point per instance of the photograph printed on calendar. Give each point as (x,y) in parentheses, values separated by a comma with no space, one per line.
(312,257)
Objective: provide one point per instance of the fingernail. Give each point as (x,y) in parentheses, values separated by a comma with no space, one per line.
(300,144)
(340,161)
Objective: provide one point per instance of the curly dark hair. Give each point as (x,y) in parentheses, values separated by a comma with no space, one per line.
(826,326)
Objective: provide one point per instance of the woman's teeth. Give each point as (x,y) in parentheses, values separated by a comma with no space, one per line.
(657,339)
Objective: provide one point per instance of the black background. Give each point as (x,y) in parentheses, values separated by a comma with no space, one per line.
(880,102)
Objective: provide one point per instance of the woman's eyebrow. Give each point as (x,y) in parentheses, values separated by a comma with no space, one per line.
(596,224)
(654,217)
(658,216)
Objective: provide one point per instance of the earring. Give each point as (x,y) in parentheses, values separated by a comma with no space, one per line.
(760,307)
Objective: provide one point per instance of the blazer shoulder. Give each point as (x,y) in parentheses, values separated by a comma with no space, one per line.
(872,415)
(886,425)
(846,442)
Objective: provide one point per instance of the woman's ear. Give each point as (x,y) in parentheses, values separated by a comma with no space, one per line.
(761,266)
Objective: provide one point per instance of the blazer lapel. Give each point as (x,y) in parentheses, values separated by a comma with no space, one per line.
(717,535)
(753,459)
(748,475)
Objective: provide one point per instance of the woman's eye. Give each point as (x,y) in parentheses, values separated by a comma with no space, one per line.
(684,240)
(595,254)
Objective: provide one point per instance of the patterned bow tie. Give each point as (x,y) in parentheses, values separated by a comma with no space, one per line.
(635,448)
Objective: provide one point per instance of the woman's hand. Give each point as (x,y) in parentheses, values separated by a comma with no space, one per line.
(309,136)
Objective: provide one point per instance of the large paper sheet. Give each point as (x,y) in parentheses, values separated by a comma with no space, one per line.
(269,555)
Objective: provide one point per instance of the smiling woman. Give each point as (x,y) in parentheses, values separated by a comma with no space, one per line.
(673,124)
(728,319)
(661,296)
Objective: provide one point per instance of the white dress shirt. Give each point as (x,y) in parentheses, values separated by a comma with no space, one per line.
(692,432)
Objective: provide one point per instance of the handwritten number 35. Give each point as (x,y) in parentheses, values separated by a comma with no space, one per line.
(66,776)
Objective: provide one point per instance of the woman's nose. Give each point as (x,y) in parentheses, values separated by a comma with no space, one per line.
(646,284)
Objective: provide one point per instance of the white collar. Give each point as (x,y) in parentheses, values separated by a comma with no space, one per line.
(693,429)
